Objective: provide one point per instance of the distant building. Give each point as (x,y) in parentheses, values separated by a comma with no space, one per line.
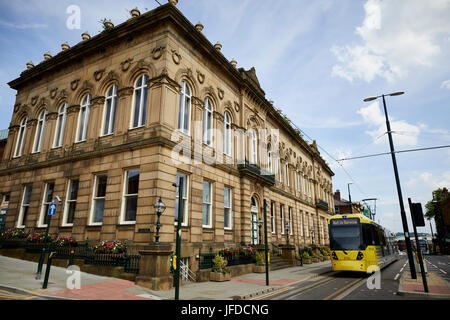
(342,205)
(3,139)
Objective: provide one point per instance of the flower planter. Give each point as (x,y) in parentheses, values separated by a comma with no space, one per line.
(307,261)
(219,277)
(314,260)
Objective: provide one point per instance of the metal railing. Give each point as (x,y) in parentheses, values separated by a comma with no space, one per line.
(186,273)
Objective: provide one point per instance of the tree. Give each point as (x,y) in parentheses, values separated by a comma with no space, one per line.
(433,208)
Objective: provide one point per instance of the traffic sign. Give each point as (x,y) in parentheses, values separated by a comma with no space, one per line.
(52,209)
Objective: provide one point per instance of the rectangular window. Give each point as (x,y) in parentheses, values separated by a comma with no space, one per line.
(98,200)
(290,221)
(130,197)
(71,202)
(282,219)
(300,222)
(306,225)
(207,204)
(24,207)
(46,201)
(272,216)
(227,208)
(185,198)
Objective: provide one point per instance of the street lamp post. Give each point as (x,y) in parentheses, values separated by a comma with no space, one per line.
(160,207)
(397,180)
(349,196)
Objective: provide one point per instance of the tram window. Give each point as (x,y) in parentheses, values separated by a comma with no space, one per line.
(368,237)
(376,235)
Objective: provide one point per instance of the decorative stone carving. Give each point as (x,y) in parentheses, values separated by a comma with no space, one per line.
(51,116)
(173,2)
(220,93)
(16,107)
(34,100)
(158,52)
(30,65)
(199,26)
(98,74)
(73,109)
(233,63)
(218,116)
(218,46)
(176,57)
(47,56)
(65,46)
(53,93)
(198,102)
(135,13)
(63,94)
(200,77)
(74,84)
(164,79)
(125,65)
(128,91)
(85,36)
(98,101)
(237,106)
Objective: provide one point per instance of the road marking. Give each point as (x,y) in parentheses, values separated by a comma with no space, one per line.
(396,277)
(442,271)
(265,296)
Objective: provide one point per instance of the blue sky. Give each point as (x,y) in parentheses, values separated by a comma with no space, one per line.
(317,60)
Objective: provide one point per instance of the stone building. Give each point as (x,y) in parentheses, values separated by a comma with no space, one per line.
(100,124)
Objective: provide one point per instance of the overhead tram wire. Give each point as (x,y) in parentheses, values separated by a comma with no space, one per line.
(401,151)
(331,157)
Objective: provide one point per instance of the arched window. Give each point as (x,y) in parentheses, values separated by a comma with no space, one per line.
(253,146)
(60,125)
(207,122)
(184,108)
(39,132)
(286,170)
(21,137)
(139,105)
(227,137)
(269,159)
(83,118)
(109,111)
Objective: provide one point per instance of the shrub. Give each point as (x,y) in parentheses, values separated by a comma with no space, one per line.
(220,264)
(305,255)
(259,259)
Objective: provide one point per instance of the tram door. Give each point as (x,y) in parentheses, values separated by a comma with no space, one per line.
(254,222)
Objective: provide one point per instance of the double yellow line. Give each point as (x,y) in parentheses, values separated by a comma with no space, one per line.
(18,297)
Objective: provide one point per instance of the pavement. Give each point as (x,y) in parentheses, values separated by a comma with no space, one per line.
(18,276)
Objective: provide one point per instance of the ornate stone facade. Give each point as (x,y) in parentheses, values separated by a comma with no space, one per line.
(174,55)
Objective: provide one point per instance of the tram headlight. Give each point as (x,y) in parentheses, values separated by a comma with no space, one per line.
(334,256)
(360,256)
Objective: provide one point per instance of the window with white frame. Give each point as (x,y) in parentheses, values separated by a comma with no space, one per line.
(306,225)
(130,197)
(24,206)
(286,170)
(60,125)
(282,224)
(227,203)
(46,201)
(297,179)
(184,108)
(185,178)
(207,204)
(290,221)
(98,200)
(253,146)
(305,179)
(21,137)
(227,136)
(269,159)
(272,216)
(139,104)
(207,122)
(71,202)
(109,110)
(280,177)
(83,118)
(300,222)
(39,132)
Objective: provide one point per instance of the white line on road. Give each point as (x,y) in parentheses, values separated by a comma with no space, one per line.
(396,277)
(442,271)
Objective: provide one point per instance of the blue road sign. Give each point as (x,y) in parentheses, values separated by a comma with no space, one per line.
(52,209)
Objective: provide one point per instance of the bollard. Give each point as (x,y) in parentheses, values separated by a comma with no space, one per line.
(72,253)
(51,254)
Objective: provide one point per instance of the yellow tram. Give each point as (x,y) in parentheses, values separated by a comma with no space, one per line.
(359,244)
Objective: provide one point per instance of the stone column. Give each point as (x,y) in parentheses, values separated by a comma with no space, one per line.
(154,270)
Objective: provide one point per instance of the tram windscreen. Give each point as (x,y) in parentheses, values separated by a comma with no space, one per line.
(345,234)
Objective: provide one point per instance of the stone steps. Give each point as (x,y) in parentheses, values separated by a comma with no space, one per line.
(277,263)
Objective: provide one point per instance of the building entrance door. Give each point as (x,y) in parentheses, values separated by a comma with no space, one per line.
(254,222)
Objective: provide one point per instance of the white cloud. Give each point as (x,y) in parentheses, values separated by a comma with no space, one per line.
(396,36)
(405,134)
(427,179)
(446,84)
(23,26)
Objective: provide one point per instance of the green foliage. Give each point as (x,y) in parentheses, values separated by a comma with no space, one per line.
(220,264)
(13,233)
(259,259)
(306,255)
(432,208)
